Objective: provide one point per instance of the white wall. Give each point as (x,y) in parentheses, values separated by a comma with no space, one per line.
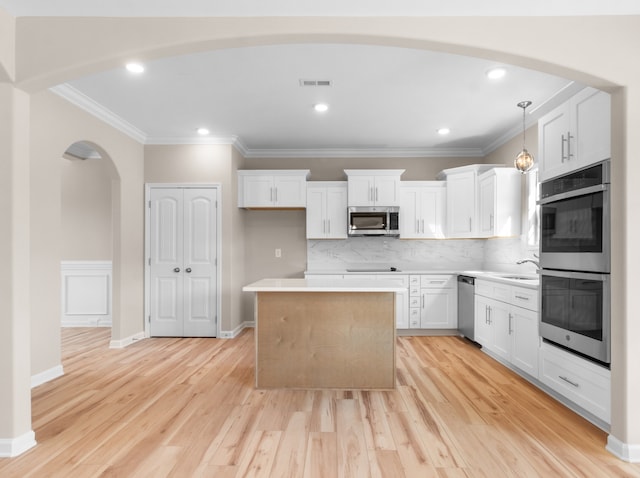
(85,210)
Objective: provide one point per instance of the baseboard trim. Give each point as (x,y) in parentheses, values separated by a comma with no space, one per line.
(88,321)
(122,343)
(232,334)
(10,447)
(46,376)
(625,451)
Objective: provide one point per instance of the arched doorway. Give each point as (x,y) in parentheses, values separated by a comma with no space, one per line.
(86,237)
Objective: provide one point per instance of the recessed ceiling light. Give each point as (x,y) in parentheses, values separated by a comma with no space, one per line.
(444,131)
(135,67)
(203,131)
(321,107)
(496,73)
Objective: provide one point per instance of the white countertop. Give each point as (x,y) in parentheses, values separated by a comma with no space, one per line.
(528,280)
(322,285)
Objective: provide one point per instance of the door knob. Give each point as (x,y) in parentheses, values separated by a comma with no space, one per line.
(188,269)
(177,269)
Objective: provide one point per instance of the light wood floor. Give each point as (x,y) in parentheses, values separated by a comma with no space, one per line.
(188,408)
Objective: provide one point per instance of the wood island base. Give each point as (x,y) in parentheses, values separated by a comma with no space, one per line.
(325,340)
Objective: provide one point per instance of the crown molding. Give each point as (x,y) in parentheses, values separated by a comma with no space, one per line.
(364,153)
(85,103)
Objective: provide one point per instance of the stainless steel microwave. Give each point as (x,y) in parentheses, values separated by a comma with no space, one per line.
(373,221)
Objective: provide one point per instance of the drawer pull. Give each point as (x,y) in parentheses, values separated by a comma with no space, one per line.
(521,297)
(577,385)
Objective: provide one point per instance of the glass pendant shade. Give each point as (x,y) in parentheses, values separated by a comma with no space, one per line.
(524,160)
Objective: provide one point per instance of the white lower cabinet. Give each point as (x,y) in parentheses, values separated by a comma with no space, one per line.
(505,328)
(433,301)
(581,381)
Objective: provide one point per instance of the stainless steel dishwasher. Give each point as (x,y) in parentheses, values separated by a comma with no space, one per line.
(466,306)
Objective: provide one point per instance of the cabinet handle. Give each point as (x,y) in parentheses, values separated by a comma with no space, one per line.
(270,194)
(569,138)
(328,226)
(521,297)
(470,227)
(487,313)
(417,225)
(562,141)
(376,194)
(422,220)
(276,193)
(577,385)
(510,328)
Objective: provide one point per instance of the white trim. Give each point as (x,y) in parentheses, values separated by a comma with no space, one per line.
(122,343)
(625,451)
(87,104)
(10,447)
(365,153)
(147,247)
(46,376)
(232,334)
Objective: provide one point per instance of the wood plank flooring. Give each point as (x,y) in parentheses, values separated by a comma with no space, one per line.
(188,408)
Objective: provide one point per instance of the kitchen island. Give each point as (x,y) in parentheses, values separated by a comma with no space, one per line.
(319,334)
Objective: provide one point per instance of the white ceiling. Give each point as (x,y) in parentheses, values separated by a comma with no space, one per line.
(184,8)
(383,101)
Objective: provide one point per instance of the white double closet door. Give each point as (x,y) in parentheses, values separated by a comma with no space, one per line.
(183,289)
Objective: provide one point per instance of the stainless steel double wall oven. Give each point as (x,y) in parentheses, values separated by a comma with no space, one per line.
(575,260)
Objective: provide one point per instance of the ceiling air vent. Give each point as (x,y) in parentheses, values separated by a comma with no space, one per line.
(315,82)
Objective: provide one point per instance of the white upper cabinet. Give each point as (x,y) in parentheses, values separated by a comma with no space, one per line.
(462,199)
(269,189)
(575,134)
(499,196)
(423,209)
(327,210)
(369,187)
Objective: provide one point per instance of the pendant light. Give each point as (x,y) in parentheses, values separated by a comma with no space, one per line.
(524,160)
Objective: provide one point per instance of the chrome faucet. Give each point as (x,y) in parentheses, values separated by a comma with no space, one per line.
(524,261)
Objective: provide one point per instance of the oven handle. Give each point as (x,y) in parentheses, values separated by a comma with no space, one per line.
(571,194)
(575,275)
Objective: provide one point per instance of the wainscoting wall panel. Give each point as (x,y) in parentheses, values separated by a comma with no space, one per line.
(86,293)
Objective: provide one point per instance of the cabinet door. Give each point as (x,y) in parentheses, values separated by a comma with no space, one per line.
(360,190)
(438,309)
(500,321)
(553,149)
(316,213)
(258,191)
(432,212)
(336,212)
(524,340)
(409,219)
(483,331)
(386,190)
(461,204)
(289,191)
(591,112)
(487,199)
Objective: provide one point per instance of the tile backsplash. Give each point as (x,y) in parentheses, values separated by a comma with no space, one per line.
(460,254)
